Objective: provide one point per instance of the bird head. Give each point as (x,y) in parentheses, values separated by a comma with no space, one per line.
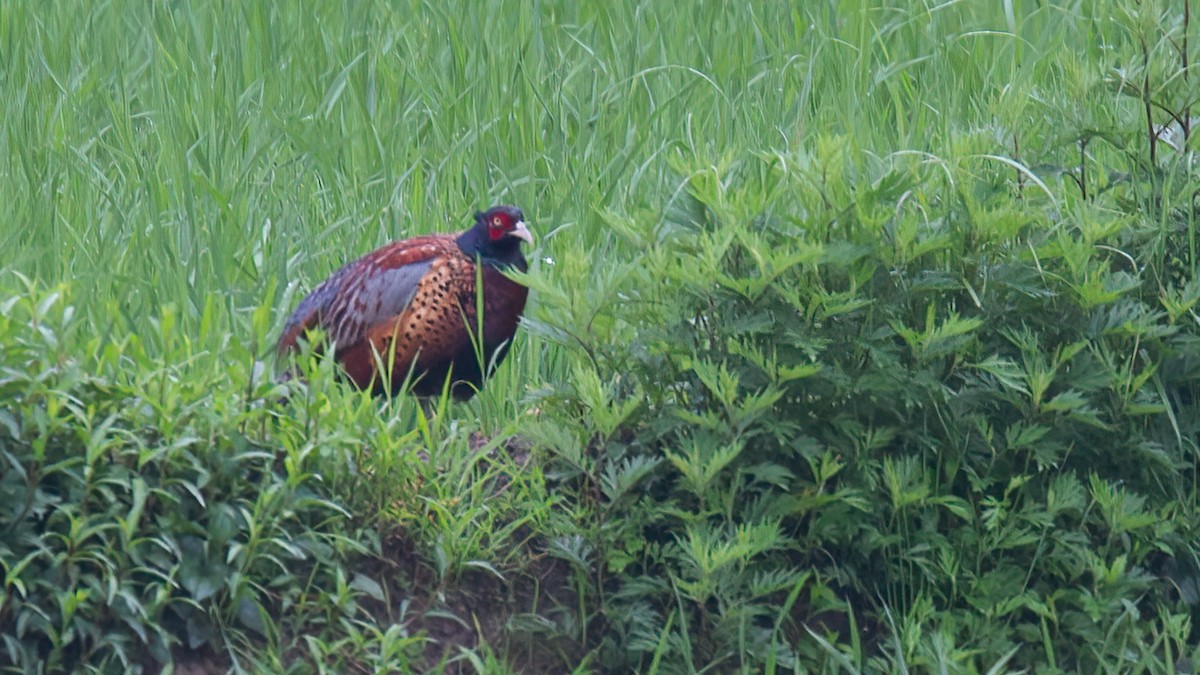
(502,222)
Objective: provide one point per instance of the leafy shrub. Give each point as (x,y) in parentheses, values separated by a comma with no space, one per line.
(145,507)
(879,400)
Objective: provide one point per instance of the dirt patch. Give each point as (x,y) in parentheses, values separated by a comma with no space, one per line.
(515,616)
(520,617)
(199,661)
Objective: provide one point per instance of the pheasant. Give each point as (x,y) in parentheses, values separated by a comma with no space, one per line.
(411,306)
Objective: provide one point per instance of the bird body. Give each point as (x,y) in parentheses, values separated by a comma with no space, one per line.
(413,307)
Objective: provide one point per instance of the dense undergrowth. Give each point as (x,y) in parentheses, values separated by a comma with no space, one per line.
(794,393)
(869,399)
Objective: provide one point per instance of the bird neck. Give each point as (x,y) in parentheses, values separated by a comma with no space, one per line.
(504,253)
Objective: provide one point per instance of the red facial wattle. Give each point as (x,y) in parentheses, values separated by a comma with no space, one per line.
(498,227)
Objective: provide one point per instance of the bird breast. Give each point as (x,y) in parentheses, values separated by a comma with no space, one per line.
(503,303)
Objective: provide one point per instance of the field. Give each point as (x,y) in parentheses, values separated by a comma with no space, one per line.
(861,339)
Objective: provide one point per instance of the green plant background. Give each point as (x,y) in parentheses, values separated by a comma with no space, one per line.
(863,337)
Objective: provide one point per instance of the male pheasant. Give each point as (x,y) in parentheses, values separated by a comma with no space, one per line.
(411,307)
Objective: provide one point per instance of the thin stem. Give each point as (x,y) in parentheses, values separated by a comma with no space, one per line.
(1150,134)
(1020,175)
(1083,143)
(1183,54)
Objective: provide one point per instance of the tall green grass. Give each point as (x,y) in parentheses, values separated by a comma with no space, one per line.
(831,303)
(165,154)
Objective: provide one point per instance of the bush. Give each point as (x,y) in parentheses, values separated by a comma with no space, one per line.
(887,404)
(148,505)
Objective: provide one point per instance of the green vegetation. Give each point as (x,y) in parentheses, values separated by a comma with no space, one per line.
(862,338)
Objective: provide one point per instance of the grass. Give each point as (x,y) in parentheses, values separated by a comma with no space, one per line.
(862,338)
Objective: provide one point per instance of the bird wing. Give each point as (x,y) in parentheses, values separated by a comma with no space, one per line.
(431,331)
(363,293)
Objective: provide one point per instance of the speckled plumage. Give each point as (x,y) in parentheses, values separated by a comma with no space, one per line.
(413,304)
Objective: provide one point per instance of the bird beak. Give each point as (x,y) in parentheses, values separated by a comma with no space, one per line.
(521,232)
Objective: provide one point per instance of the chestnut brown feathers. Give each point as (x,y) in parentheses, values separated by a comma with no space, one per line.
(412,306)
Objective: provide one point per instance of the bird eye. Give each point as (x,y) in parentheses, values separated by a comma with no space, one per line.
(497,221)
